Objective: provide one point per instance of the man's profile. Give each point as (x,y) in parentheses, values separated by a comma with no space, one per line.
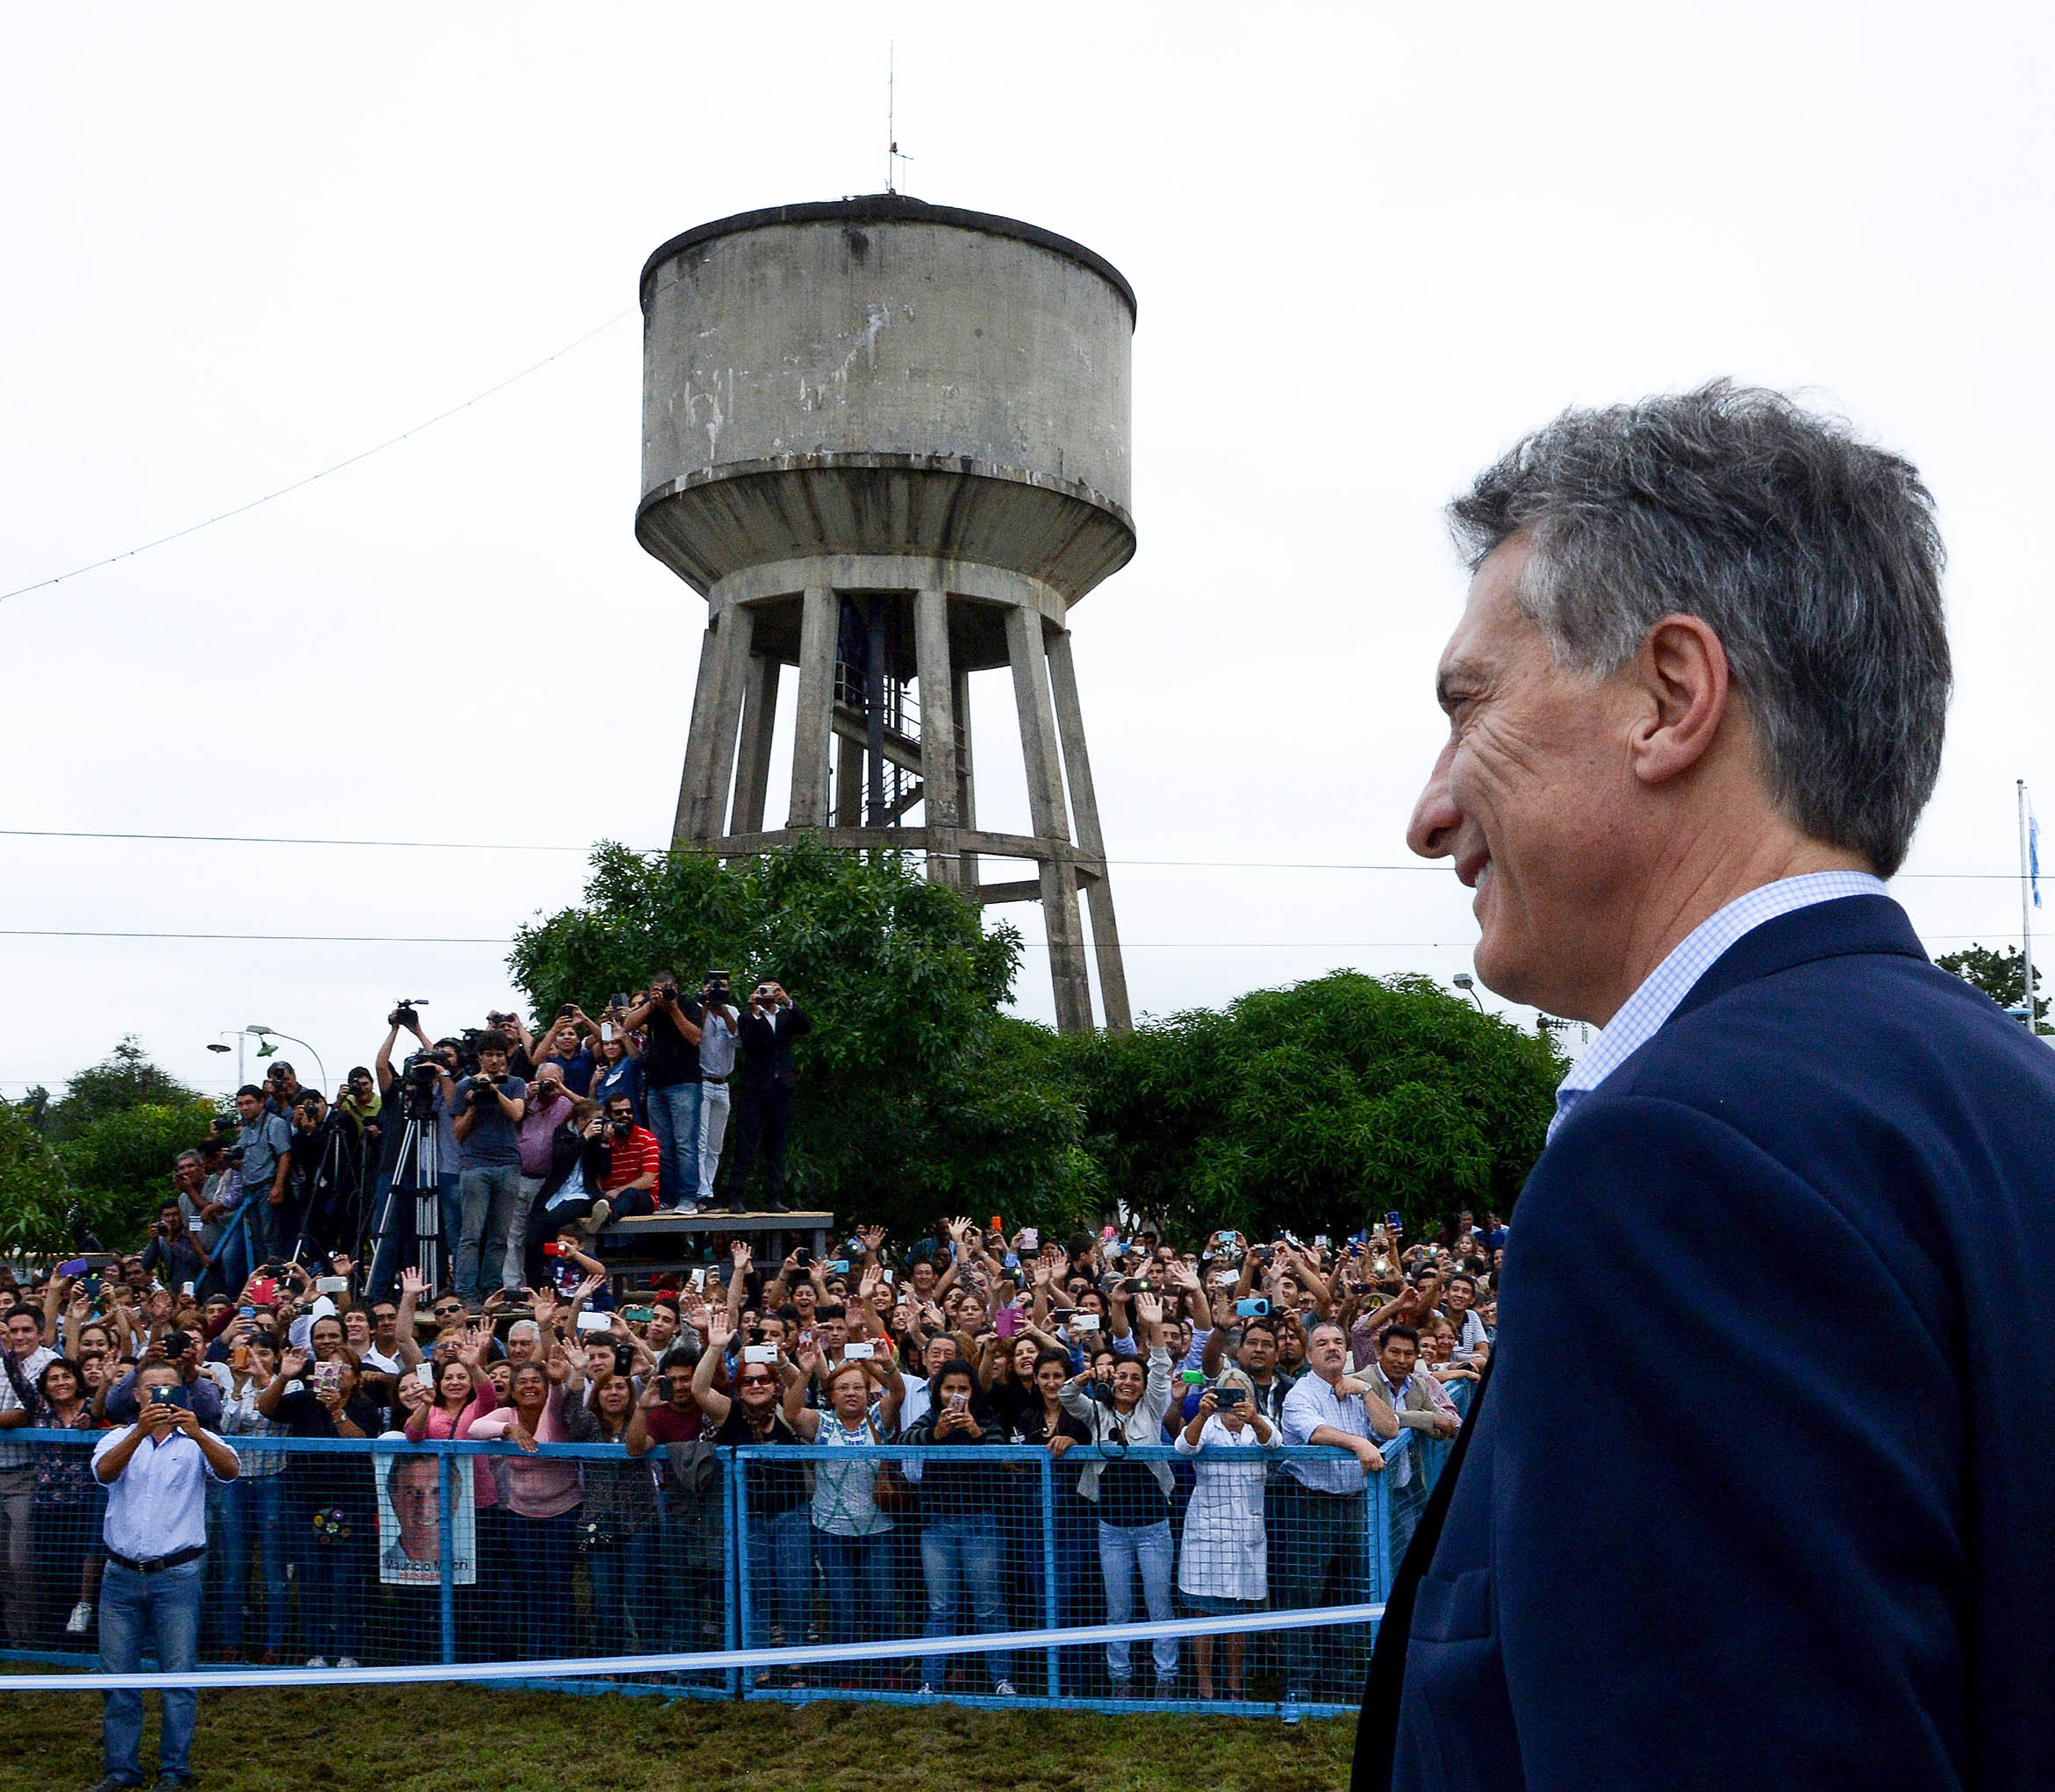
(1797,1528)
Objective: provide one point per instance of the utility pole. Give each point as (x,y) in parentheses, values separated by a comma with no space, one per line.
(2026,906)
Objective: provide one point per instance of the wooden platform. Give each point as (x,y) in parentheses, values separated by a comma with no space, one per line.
(654,1243)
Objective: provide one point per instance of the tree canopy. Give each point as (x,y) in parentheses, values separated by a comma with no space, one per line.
(1316,1107)
(125,1078)
(1997,971)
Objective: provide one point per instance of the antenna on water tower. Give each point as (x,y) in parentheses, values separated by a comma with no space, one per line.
(892,156)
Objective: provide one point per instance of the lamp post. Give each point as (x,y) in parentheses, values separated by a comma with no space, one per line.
(1467,983)
(320,1071)
(216,1046)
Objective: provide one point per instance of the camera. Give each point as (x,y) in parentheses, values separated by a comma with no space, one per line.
(484,1090)
(667,992)
(620,1129)
(567,1011)
(176,1344)
(720,988)
(405,1012)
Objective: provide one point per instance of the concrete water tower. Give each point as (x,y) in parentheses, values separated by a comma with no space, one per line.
(888,442)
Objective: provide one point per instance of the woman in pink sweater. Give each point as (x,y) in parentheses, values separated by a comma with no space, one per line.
(544,1494)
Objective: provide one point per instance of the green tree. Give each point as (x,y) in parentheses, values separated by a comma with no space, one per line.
(1997,971)
(119,1165)
(36,1198)
(919,1096)
(125,1078)
(1314,1107)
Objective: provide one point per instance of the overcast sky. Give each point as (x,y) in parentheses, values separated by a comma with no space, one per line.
(1372,247)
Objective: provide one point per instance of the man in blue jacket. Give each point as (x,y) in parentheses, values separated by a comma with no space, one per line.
(1800,1529)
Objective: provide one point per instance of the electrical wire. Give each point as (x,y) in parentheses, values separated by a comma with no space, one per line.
(300,485)
(1218,864)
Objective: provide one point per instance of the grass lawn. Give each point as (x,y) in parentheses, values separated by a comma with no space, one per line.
(443,1739)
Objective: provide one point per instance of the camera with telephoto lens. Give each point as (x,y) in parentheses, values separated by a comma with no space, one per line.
(484,1090)
(407,1012)
(620,1129)
(423,1076)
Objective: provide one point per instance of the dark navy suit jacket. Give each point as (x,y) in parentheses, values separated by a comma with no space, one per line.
(1762,1486)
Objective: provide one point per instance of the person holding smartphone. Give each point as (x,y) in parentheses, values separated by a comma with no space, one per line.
(157,1474)
(1223,1564)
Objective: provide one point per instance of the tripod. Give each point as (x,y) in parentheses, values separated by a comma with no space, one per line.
(415,1169)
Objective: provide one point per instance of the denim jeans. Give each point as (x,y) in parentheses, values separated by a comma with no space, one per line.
(17,1513)
(250,1508)
(860,1602)
(332,1593)
(713,1107)
(1122,1549)
(542,1549)
(781,1559)
(165,1608)
(488,1197)
(971,1548)
(1317,1558)
(514,1265)
(673,1117)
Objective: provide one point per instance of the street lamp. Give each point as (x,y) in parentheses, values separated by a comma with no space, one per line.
(320,1073)
(1467,983)
(216,1046)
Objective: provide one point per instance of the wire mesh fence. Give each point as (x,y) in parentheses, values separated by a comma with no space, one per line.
(396,1552)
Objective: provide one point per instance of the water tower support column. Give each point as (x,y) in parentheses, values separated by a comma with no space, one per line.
(1065,927)
(1098,896)
(938,734)
(813,725)
(759,716)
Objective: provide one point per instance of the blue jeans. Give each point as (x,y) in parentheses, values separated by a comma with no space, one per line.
(1316,1559)
(860,1602)
(166,1609)
(332,1591)
(1122,1549)
(249,1508)
(781,1561)
(673,1117)
(488,1197)
(970,1547)
(542,1549)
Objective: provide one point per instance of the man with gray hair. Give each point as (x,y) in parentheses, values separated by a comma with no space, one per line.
(1797,1523)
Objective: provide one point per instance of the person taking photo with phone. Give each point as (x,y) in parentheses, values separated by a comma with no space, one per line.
(763,1106)
(155,1533)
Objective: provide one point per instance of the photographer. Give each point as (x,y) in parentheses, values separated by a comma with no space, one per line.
(569,1194)
(488,1106)
(764,1110)
(155,1532)
(670,1086)
(632,1163)
(326,1153)
(550,1105)
(266,1141)
(719,1039)
(173,1255)
(424,1088)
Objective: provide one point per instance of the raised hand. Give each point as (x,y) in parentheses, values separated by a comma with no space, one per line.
(1148,1309)
(410,1283)
(720,1328)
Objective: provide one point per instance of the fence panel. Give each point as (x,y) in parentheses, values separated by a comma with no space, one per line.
(389,1551)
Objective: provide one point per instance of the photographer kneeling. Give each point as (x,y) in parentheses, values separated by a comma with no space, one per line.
(155,1532)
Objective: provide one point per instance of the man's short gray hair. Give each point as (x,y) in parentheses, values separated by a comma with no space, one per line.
(524,1328)
(1813,556)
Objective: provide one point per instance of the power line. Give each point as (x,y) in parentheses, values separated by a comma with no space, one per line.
(299,484)
(1218,865)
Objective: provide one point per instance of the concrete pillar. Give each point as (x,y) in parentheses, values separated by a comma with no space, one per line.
(1029,656)
(813,727)
(1098,896)
(731,681)
(848,784)
(939,790)
(967,872)
(759,717)
(699,743)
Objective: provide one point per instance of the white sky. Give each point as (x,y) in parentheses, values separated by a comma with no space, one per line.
(1372,247)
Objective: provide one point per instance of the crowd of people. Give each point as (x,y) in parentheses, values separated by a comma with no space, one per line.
(1188,1375)
(510,1133)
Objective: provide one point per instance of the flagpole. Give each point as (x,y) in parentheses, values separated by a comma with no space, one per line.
(2026,922)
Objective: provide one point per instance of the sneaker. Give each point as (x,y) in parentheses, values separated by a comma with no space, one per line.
(81,1620)
(927,1690)
(346,1660)
(171,1783)
(317,1661)
(1005,1689)
(113,1783)
(596,1220)
(1123,1689)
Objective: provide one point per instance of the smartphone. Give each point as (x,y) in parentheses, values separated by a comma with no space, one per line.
(760,1353)
(1029,1241)
(332,1285)
(186,1289)
(328,1376)
(605,1031)
(803,1256)
(999,1227)
(1396,1222)
(595,1321)
(958,1401)
(1006,1322)
(424,1373)
(1319,1241)
(75,1267)
(551,1248)
(666,1388)
(1257,1308)
(162,1397)
(861,1350)
(887,1276)
(1192,1378)
(264,1292)
(245,1312)
(1228,1240)
(1084,1322)
(638,1316)
(838,1266)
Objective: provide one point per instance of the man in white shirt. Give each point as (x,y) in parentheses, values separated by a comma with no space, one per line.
(155,1532)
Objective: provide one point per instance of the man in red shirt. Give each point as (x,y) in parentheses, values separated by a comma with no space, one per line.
(634,1156)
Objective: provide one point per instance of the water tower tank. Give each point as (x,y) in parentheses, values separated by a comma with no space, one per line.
(889,442)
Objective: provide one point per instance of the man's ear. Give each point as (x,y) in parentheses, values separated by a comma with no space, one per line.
(1682,676)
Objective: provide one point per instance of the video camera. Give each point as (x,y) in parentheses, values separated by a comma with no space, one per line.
(407,1012)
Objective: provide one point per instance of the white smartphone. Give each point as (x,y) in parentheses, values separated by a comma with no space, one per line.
(1084,1322)
(887,1275)
(862,1350)
(332,1285)
(426,1374)
(759,1353)
(595,1321)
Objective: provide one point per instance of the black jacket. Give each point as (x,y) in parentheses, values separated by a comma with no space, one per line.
(767,1052)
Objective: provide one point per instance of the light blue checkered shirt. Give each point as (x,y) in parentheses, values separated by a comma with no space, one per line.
(1671,981)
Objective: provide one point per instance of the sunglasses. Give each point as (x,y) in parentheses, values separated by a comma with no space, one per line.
(753,1382)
